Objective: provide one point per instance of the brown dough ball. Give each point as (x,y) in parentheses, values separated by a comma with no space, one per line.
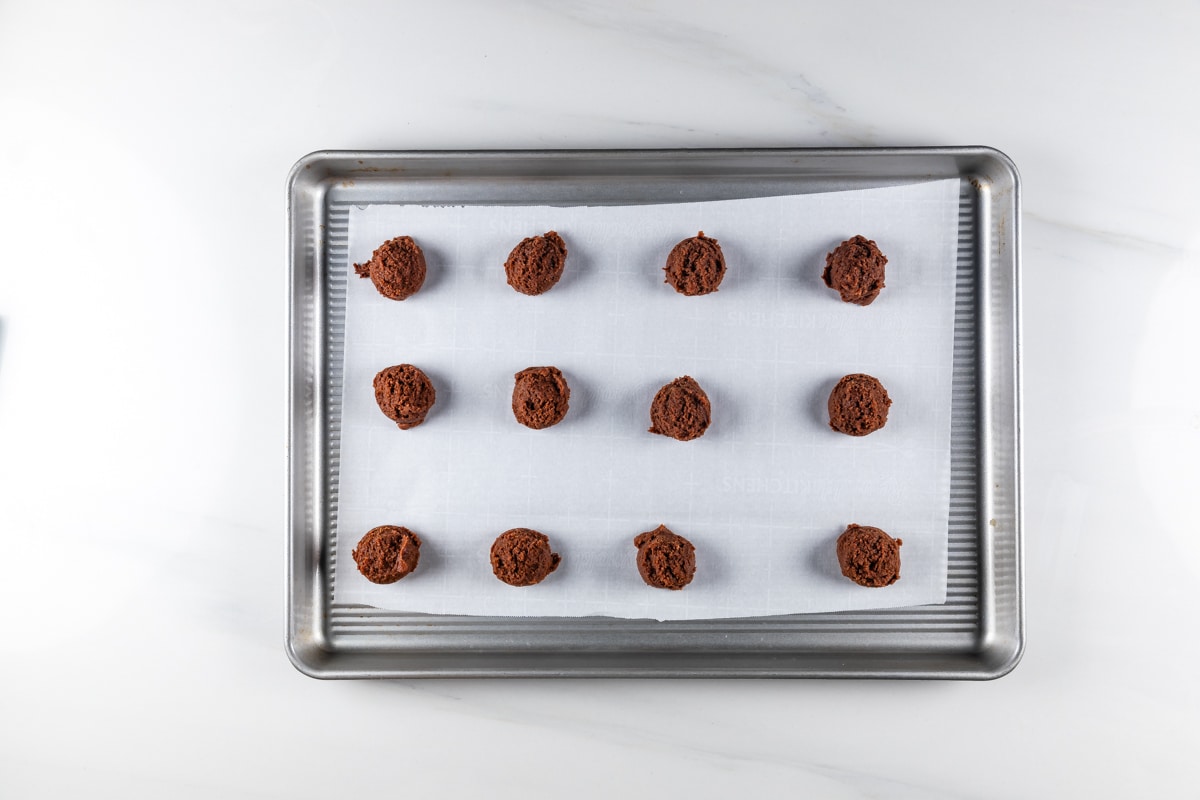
(868,556)
(855,270)
(405,394)
(680,410)
(858,405)
(397,268)
(665,559)
(522,557)
(536,264)
(695,266)
(387,553)
(540,397)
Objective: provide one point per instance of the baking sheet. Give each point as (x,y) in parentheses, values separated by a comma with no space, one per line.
(763,494)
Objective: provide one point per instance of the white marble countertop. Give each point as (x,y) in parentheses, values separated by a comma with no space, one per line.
(142,381)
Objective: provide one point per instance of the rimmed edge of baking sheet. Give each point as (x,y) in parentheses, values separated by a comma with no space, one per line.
(978,634)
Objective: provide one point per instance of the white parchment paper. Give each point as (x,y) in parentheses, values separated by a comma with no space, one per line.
(763,494)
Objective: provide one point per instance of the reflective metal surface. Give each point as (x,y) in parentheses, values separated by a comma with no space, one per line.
(977,634)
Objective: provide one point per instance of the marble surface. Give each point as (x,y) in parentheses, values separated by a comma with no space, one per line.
(142,381)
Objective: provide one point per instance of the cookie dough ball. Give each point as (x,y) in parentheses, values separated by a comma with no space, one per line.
(868,556)
(858,405)
(387,553)
(397,268)
(855,270)
(665,559)
(522,557)
(540,397)
(680,410)
(695,266)
(536,264)
(405,394)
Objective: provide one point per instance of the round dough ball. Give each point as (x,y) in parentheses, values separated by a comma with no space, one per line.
(536,264)
(858,405)
(855,270)
(696,266)
(387,553)
(868,556)
(540,397)
(405,394)
(665,560)
(522,557)
(397,268)
(680,410)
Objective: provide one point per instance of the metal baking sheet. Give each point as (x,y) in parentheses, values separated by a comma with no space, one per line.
(978,633)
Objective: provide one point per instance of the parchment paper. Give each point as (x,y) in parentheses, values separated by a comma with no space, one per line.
(763,495)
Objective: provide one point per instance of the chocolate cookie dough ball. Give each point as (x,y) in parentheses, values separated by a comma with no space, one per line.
(858,405)
(397,268)
(540,397)
(405,394)
(868,556)
(387,553)
(680,410)
(695,266)
(522,557)
(855,270)
(665,559)
(536,264)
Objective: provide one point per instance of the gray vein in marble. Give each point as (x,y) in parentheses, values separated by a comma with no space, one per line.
(708,49)
(593,120)
(1114,238)
(863,783)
